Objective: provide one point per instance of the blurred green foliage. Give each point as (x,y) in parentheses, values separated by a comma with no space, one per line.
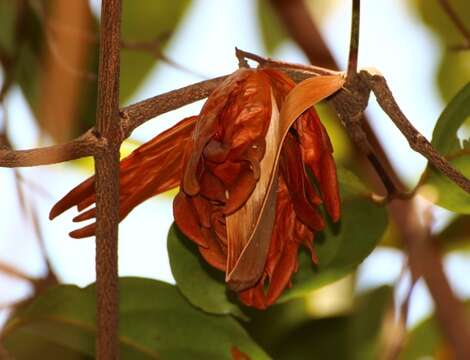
(438,187)
(156,322)
(454,69)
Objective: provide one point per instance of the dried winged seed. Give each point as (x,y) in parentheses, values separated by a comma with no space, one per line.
(211,187)
(227,172)
(242,271)
(293,172)
(283,272)
(248,233)
(329,187)
(187,220)
(214,253)
(216,151)
(317,154)
(86,215)
(165,150)
(239,193)
(208,124)
(218,225)
(203,209)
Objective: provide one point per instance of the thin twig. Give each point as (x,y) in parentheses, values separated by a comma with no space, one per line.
(303,30)
(136,114)
(85,145)
(154,48)
(107,183)
(13,272)
(354,44)
(456,20)
(267,62)
(416,140)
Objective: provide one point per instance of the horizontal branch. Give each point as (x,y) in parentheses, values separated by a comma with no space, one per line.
(135,115)
(132,117)
(85,145)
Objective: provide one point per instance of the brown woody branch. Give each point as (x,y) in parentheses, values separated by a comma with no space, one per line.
(136,114)
(416,140)
(85,145)
(107,182)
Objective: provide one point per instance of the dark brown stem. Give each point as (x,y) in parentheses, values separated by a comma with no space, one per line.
(303,30)
(107,183)
(354,44)
(417,141)
(459,24)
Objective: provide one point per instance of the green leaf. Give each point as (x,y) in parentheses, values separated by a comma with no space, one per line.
(443,191)
(456,234)
(146,21)
(426,340)
(156,322)
(453,70)
(8,16)
(354,336)
(202,285)
(272,31)
(343,246)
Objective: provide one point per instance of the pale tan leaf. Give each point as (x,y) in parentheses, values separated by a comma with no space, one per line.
(245,262)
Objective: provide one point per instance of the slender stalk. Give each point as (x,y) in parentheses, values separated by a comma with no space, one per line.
(354,44)
(107,182)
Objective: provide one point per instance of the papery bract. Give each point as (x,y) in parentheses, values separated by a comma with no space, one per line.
(245,198)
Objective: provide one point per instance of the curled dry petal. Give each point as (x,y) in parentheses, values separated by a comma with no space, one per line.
(151,169)
(245,197)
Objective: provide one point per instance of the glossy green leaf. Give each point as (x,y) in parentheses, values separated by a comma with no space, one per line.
(426,341)
(146,21)
(156,322)
(202,285)
(272,30)
(343,246)
(445,140)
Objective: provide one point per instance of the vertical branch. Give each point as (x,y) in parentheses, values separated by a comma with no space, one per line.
(107,182)
(354,44)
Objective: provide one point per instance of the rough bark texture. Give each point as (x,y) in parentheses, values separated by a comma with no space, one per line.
(107,183)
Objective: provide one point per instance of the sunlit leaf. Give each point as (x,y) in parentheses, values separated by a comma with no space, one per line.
(156,322)
(440,189)
(202,285)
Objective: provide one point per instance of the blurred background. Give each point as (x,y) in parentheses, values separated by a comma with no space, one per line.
(48,53)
